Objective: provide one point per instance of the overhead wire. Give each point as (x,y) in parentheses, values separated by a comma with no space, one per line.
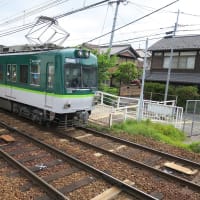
(80,9)
(30,25)
(155,11)
(38,9)
(14,30)
(150,37)
(104,22)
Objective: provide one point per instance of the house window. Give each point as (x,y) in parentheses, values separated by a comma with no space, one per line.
(182,60)
(158,54)
(187,60)
(174,60)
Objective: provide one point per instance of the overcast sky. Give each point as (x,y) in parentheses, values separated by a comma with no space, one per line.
(89,24)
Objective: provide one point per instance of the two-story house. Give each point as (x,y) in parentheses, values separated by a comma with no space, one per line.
(185,65)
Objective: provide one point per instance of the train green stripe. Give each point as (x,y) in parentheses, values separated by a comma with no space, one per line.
(47,93)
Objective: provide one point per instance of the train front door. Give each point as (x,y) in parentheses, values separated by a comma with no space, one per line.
(50,71)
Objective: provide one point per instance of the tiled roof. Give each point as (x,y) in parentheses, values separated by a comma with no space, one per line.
(192,78)
(178,42)
(115,50)
(141,53)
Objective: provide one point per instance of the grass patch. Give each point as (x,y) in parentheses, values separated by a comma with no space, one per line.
(157,131)
(195,147)
(160,132)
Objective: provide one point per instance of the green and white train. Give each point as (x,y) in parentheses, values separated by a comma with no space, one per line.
(49,85)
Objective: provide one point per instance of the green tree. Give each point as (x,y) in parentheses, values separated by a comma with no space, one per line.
(127,72)
(105,61)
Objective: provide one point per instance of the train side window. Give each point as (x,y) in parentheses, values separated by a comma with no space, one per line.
(50,75)
(35,74)
(1,72)
(12,72)
(23,70)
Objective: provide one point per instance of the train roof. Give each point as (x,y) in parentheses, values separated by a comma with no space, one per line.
(28,48)
(23,50)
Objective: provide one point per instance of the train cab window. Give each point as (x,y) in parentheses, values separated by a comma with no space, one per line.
(72,76)
(35,74)
(89,76)
(50,75)
(12,72)
(1,72)
(23,72)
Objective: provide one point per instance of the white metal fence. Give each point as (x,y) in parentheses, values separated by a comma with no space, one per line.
(191,124)
(112,109)
(160,112)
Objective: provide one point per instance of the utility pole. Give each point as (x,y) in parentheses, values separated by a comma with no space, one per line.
(171,59)
(141,101)
(114,20)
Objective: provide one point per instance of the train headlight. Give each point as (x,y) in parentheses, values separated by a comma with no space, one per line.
(87,54)
(82,53)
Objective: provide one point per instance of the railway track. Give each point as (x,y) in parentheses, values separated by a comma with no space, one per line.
(182,171)
(164,164)
(123,159)
(52,157)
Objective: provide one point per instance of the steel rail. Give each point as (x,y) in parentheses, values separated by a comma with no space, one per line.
(50,190)
(137,163)
(80,164)
(126,142)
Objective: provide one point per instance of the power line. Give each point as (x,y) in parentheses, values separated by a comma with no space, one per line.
(194,15)
(143,37)
(14,30)
(80,9)
(157,10)
(35,10)
(135,38)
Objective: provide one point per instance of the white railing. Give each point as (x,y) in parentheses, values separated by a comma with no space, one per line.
(112,109)
(115,101)
(163,113)
(122,114)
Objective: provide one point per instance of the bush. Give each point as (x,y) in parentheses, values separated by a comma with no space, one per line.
(185,93)
(111,90)
(156,91)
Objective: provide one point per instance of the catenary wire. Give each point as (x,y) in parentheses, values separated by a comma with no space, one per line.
(157,10)
(30,25)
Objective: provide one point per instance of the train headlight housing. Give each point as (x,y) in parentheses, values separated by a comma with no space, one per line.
(82,53)
(67,105)
(87,54)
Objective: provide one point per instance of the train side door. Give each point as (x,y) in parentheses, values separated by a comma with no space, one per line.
(50,71)
(11,78)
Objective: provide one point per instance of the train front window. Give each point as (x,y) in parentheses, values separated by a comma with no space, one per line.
(89,75)
(72,76)
(78,76)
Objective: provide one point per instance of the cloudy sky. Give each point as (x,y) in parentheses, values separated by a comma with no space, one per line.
(91,23)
